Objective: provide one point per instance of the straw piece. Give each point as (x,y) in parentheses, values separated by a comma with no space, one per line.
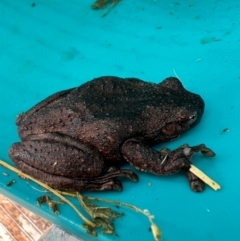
(204,178)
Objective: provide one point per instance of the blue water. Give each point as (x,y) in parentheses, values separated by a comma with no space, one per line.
(61,44)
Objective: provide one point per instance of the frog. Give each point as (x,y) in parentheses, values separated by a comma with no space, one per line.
(82,138)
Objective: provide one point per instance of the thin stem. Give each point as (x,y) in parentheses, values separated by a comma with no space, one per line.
(115,202)
(157,233)
(49,189)
(112,5)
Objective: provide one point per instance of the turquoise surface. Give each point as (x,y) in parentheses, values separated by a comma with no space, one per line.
(60,44)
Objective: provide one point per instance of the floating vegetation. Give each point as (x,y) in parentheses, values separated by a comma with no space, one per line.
(101,4)
(102,217)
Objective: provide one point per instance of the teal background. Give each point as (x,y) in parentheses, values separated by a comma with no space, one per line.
(60,44)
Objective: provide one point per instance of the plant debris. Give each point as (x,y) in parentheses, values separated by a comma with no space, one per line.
(204,178)
(100,4)
(10,183)
(52,204)
(157,233)
(225,130)
(102,217)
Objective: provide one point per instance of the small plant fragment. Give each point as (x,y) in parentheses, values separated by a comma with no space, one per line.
(52,204)
(103,216)
(225,130)
(204,178)
(157,233)
(100,4)
(10,183)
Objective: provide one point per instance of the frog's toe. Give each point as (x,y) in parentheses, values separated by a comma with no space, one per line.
(116,172)
(113,184)
(117,185)
(131,175)
(113,169)
(196,184)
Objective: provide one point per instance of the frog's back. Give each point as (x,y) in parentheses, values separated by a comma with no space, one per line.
(114,97)
(115,108)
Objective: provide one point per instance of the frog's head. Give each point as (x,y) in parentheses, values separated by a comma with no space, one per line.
(184,109)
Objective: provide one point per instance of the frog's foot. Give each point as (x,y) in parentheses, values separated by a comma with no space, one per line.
(165,162)
(196,183)
(107,181)
(114,171)
(190,151)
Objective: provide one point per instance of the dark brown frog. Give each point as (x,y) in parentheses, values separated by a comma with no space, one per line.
(75,139)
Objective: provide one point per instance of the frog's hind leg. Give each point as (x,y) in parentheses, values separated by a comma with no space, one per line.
(107,181)
(63,163)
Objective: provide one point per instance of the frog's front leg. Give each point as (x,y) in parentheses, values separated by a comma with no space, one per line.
(165,162)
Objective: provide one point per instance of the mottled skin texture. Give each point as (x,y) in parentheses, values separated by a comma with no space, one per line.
(74,139)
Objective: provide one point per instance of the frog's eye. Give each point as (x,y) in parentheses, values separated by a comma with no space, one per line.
(169,129)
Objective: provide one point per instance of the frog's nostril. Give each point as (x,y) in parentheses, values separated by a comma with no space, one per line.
(192,118)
